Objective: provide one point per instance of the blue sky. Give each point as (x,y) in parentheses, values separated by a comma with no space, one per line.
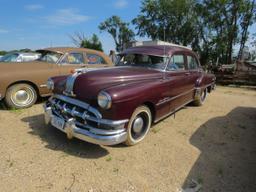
(38,24)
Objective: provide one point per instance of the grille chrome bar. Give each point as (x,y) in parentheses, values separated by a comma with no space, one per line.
(82,110)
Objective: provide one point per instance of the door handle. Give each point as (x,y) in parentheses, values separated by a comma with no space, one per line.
(188,73)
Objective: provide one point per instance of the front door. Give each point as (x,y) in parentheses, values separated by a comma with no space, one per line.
(178,76)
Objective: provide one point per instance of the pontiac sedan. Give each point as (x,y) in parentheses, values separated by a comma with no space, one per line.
(116,105)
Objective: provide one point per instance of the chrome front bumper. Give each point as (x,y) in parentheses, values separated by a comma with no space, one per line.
(91,135)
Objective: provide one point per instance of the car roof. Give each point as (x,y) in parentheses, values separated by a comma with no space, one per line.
(68,49)
(157,50)
(24,53)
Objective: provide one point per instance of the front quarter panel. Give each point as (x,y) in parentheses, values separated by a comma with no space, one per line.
(127,97)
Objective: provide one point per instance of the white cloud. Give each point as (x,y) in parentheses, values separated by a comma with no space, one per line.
(3,31)
(66,17)
(33,7)
(120,4)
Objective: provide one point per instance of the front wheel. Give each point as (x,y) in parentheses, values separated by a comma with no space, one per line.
(20,96)
(139,125)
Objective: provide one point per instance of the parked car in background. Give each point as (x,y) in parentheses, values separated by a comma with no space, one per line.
(111,106)
(22,83)
(20,57)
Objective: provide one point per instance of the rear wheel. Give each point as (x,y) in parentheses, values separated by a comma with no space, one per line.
(200,97)
(20,96)
(139,125)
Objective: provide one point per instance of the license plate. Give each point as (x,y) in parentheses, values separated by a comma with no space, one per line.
(58,122)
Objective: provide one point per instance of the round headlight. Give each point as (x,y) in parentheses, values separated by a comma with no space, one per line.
(50,84)
(104,100)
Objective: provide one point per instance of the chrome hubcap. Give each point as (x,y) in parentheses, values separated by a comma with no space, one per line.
(22,97)
(138,125)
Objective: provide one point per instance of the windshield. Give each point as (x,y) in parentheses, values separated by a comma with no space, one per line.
(11,57)
(50,57)
(139,60)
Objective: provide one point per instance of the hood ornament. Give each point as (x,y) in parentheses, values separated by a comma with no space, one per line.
(70,83)
(72,78)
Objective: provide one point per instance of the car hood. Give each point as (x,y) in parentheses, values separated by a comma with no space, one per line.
(87,85)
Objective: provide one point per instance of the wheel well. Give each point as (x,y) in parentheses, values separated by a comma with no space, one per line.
(209,89)
(26,82)
(151,108)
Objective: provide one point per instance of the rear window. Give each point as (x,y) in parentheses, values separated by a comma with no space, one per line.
(177,62)
(192,62)
(95,59)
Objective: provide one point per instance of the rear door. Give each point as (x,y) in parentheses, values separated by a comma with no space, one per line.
(71,62)
(194,69)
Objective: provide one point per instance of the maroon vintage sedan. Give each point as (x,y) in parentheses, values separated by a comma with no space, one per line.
(108,106)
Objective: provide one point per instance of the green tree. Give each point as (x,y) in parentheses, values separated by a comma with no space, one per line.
(211,27)
(3,52)
(169,20)
(119,30)
(80,40)
(223,19)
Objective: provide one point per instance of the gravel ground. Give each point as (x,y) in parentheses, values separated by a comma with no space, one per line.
(210,148)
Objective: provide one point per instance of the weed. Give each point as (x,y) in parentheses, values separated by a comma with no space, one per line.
(200,180)
(155,130)
(220,172)
(16,111)
(242,126)
(109,159)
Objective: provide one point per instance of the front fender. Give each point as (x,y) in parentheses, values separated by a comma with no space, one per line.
(127,97)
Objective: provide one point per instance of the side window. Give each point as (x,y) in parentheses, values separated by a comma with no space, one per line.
(73,58)
(95,59)
(177,63)
(192,62)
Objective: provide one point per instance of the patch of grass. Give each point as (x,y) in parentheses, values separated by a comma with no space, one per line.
(155,130)
(10,162)
(225,126)
(24,143)
(228,92)
(182,133)
(16,111)
(115,170)
(242,126)
(200,180)
(220,172)
(109,159)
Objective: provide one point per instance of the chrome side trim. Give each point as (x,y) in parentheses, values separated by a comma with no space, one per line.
(43,86)
(175,97)
(170,113)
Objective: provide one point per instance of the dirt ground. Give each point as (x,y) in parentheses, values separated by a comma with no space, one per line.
(213,146)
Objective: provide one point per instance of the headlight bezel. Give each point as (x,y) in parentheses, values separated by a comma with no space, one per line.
(104,100)
(50,84)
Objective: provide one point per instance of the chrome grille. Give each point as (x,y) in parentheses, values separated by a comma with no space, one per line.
(69,108)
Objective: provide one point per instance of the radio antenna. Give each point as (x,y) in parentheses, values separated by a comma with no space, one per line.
(164,43)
